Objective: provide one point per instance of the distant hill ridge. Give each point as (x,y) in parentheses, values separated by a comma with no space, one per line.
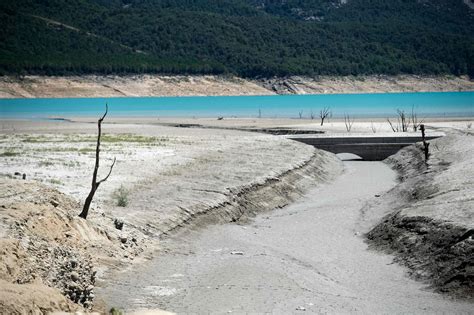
(248,38)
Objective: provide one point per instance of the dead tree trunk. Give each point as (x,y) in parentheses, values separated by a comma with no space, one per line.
(324,113)
(414,119)
(426,145)
(95,183)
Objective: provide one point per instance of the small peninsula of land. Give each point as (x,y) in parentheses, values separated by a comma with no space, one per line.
(213,85)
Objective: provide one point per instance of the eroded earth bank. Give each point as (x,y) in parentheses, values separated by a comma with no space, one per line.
(291,233)
(312,255)
(431,226)
(173,177)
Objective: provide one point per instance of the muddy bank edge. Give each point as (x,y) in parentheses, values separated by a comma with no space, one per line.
(46,245)
(431,226)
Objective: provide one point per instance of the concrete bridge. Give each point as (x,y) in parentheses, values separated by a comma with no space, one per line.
(368,147)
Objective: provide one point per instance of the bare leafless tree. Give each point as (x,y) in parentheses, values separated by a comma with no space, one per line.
(402,122)
(414,119)
(402,119)
(324,113)
(300,113)
(312,115)
(95,183)
(348,121)
(259,113)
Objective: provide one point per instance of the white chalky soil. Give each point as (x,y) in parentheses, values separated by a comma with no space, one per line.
(308,257)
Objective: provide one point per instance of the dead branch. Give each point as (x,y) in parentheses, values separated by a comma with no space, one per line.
(324,113)
(95,183)
(402,119)
(395,128)
(402,122)
(414,119)
(348,121)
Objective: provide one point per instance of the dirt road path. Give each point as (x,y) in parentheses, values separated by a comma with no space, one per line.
(308,257)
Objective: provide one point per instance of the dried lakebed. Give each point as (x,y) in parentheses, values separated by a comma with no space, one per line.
(309,256)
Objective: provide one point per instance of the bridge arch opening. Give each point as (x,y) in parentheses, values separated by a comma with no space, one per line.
(346,156)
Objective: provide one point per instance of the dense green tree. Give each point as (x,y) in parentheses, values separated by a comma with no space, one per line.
(244,37)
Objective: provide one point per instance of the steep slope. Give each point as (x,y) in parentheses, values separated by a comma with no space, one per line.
(430,229)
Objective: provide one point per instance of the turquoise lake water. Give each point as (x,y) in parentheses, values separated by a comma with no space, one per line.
(437,104)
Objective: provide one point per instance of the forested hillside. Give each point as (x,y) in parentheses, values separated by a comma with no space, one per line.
(248,38)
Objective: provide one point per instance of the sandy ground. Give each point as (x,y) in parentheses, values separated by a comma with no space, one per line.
(172,176)
(159,85)
(189,169)
(309,256)
(371,127)
(193,177)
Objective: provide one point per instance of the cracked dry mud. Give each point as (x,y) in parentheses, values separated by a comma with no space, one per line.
(310,256)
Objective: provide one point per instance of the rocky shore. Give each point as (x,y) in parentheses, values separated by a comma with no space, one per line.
(160,85)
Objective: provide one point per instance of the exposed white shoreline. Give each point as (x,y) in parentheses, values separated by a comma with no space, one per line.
(209,85)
